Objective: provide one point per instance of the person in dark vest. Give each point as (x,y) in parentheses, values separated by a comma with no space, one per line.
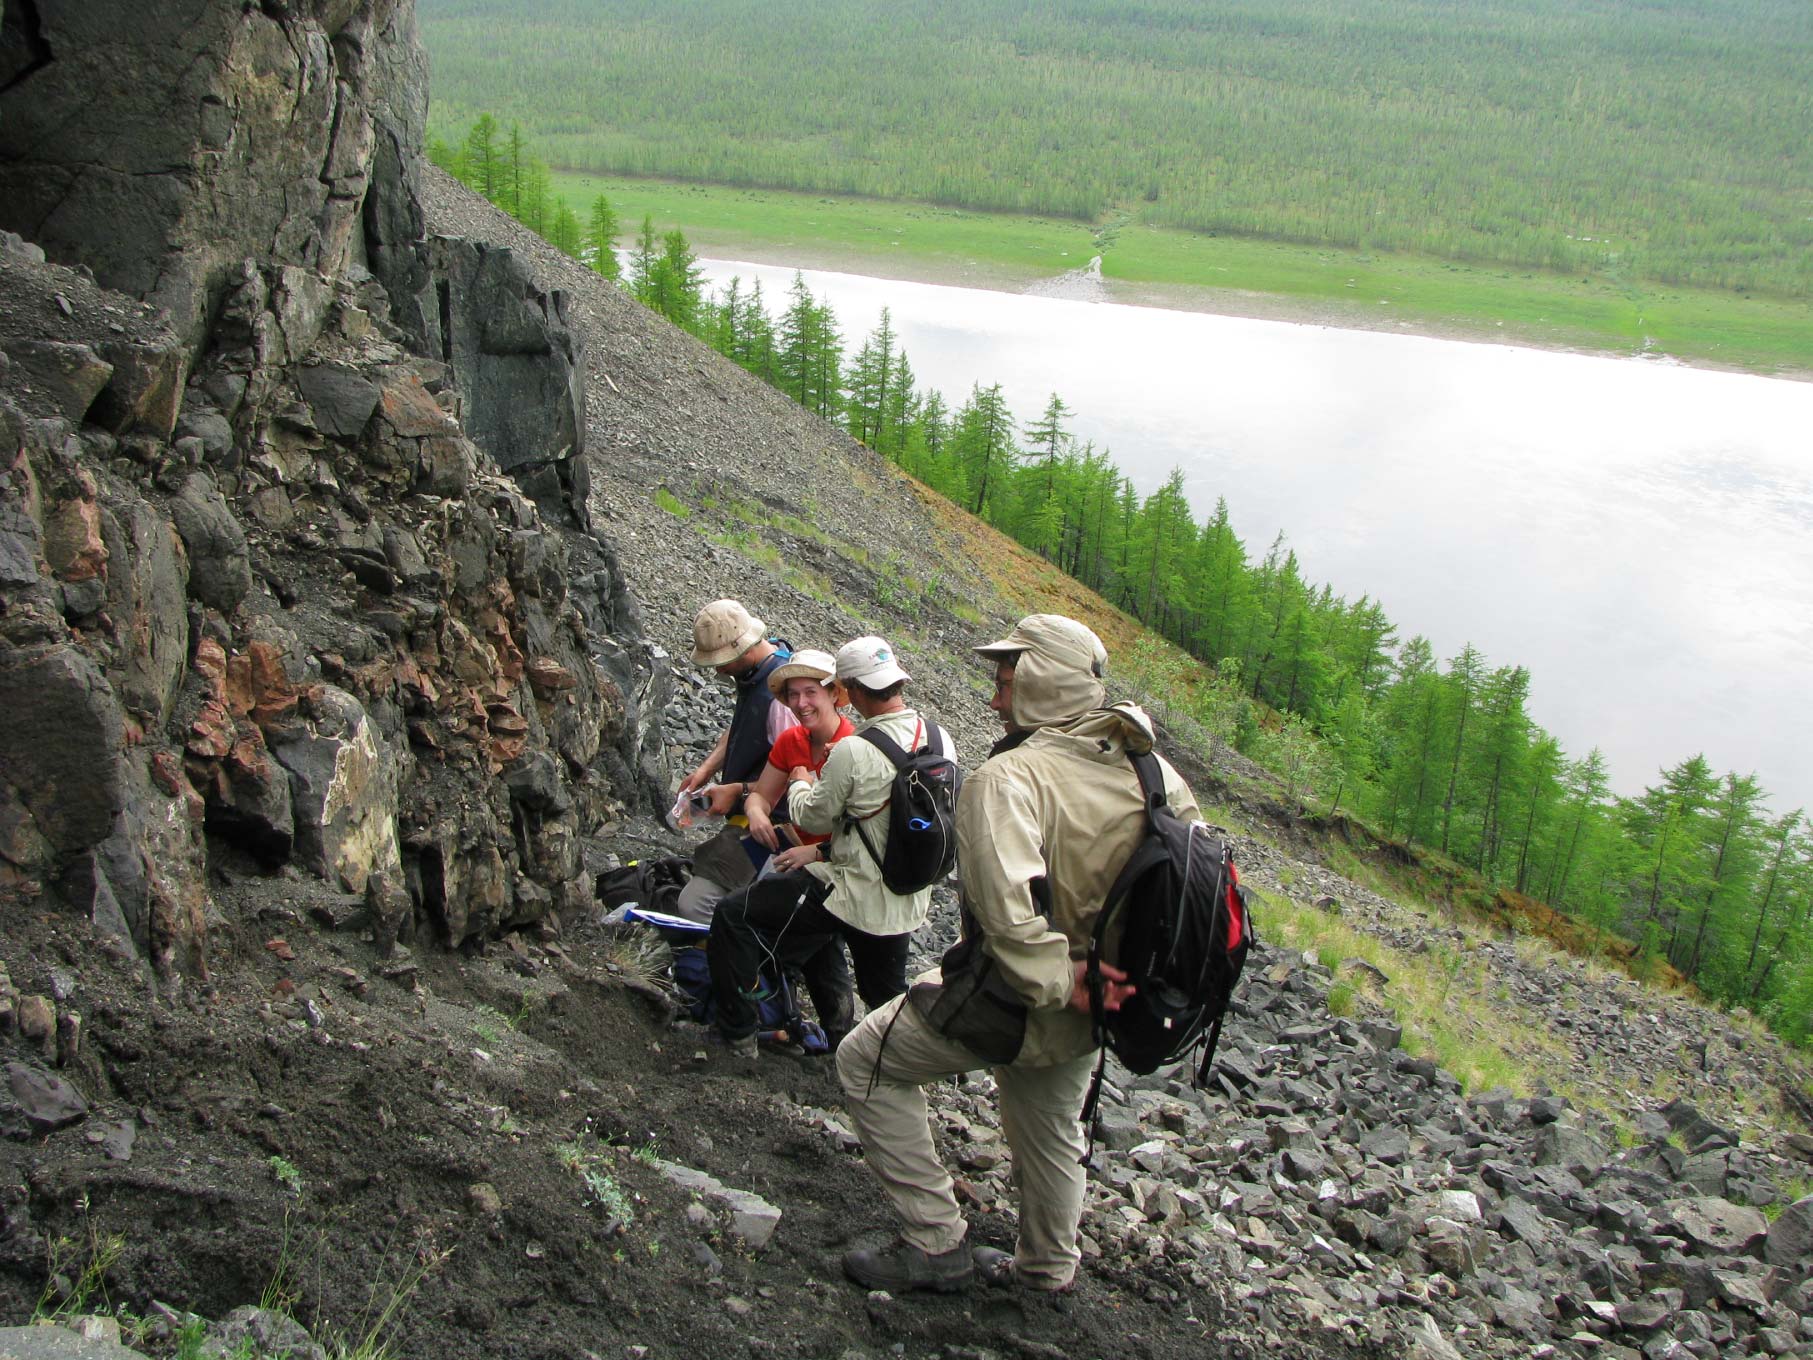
(734,643)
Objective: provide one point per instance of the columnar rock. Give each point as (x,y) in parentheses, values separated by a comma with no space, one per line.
(227,132)
(518,368)
(262,585)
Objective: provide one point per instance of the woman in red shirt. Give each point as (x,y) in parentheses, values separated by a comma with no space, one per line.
(754,926)
(808,686)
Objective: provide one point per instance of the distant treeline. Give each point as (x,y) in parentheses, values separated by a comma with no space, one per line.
(1669,142)
(1320,689)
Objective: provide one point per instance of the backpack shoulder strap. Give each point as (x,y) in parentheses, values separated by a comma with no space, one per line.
(1151,779)
(890,748)
(882,742)
(940,741)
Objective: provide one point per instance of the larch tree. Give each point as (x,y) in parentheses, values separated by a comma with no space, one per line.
(601,239)
(483,165)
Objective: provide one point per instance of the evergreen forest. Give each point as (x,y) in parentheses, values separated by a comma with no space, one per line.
(1698,871)
(1645,139)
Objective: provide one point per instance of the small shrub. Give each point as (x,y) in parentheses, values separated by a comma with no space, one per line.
(639,955)
(587,1159)
(671,503)
(287,1174)
(190,1338)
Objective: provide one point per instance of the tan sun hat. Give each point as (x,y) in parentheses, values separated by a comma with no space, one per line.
(723,631)
(815,665)
(1061,640)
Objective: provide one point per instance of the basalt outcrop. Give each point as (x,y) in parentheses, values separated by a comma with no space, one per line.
(293,569)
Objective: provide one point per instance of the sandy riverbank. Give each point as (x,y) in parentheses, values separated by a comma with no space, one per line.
(1082,285)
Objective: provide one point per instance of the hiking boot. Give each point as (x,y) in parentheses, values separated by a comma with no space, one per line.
(997,1267)
(993,1266)
(745,1049)
(903,1267)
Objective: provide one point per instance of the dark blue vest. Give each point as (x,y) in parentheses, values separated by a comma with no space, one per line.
(747,750)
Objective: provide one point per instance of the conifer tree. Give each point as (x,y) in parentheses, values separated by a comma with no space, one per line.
(900,409)
(1504,741)
(1047,440)
(483,166)
(601,239)
(1587,786)
(1665,824)
(536,196)
(870,386)
(512,197)
(1545,764)
(644,256)
(1414,718)
(1734,823)
(982,445)
(1775,910)
(755,336)
(564,232)
(1463,681)
(677,289)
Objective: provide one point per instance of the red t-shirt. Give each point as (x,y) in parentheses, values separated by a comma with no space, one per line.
(794,747)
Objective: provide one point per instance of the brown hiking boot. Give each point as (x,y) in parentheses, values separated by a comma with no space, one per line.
(903,1267)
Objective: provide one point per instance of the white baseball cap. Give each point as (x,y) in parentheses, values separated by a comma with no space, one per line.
(869,661)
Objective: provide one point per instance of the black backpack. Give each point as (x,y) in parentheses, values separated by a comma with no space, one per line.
(652,883)
(922,813)
(1185,929)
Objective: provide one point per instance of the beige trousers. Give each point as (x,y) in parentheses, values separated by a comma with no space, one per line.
(1040,1109)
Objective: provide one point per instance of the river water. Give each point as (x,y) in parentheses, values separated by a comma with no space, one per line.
(1639,534)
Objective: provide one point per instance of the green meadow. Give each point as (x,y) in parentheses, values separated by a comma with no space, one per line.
(1169,267)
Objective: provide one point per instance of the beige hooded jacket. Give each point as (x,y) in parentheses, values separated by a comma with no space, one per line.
(1064,804)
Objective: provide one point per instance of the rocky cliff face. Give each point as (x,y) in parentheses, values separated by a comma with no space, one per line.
(276,587)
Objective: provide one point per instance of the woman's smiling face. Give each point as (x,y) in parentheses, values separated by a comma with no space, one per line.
(812,703)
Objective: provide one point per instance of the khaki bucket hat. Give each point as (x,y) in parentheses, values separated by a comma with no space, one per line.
(722,631)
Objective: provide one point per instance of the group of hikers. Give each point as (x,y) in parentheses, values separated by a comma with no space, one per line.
(1043,825)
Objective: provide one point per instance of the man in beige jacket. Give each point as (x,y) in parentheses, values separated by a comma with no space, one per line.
(1043,828)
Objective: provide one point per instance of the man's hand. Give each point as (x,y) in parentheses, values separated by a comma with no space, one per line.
(724,797)
(1115,987)
(696,780)
(795,857)
(800,772)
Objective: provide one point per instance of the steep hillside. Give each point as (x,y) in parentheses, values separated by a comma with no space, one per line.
(718,485)
(348,543)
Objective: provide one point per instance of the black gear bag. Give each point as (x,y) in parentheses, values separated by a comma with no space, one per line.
(1179,924)
(922,812)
